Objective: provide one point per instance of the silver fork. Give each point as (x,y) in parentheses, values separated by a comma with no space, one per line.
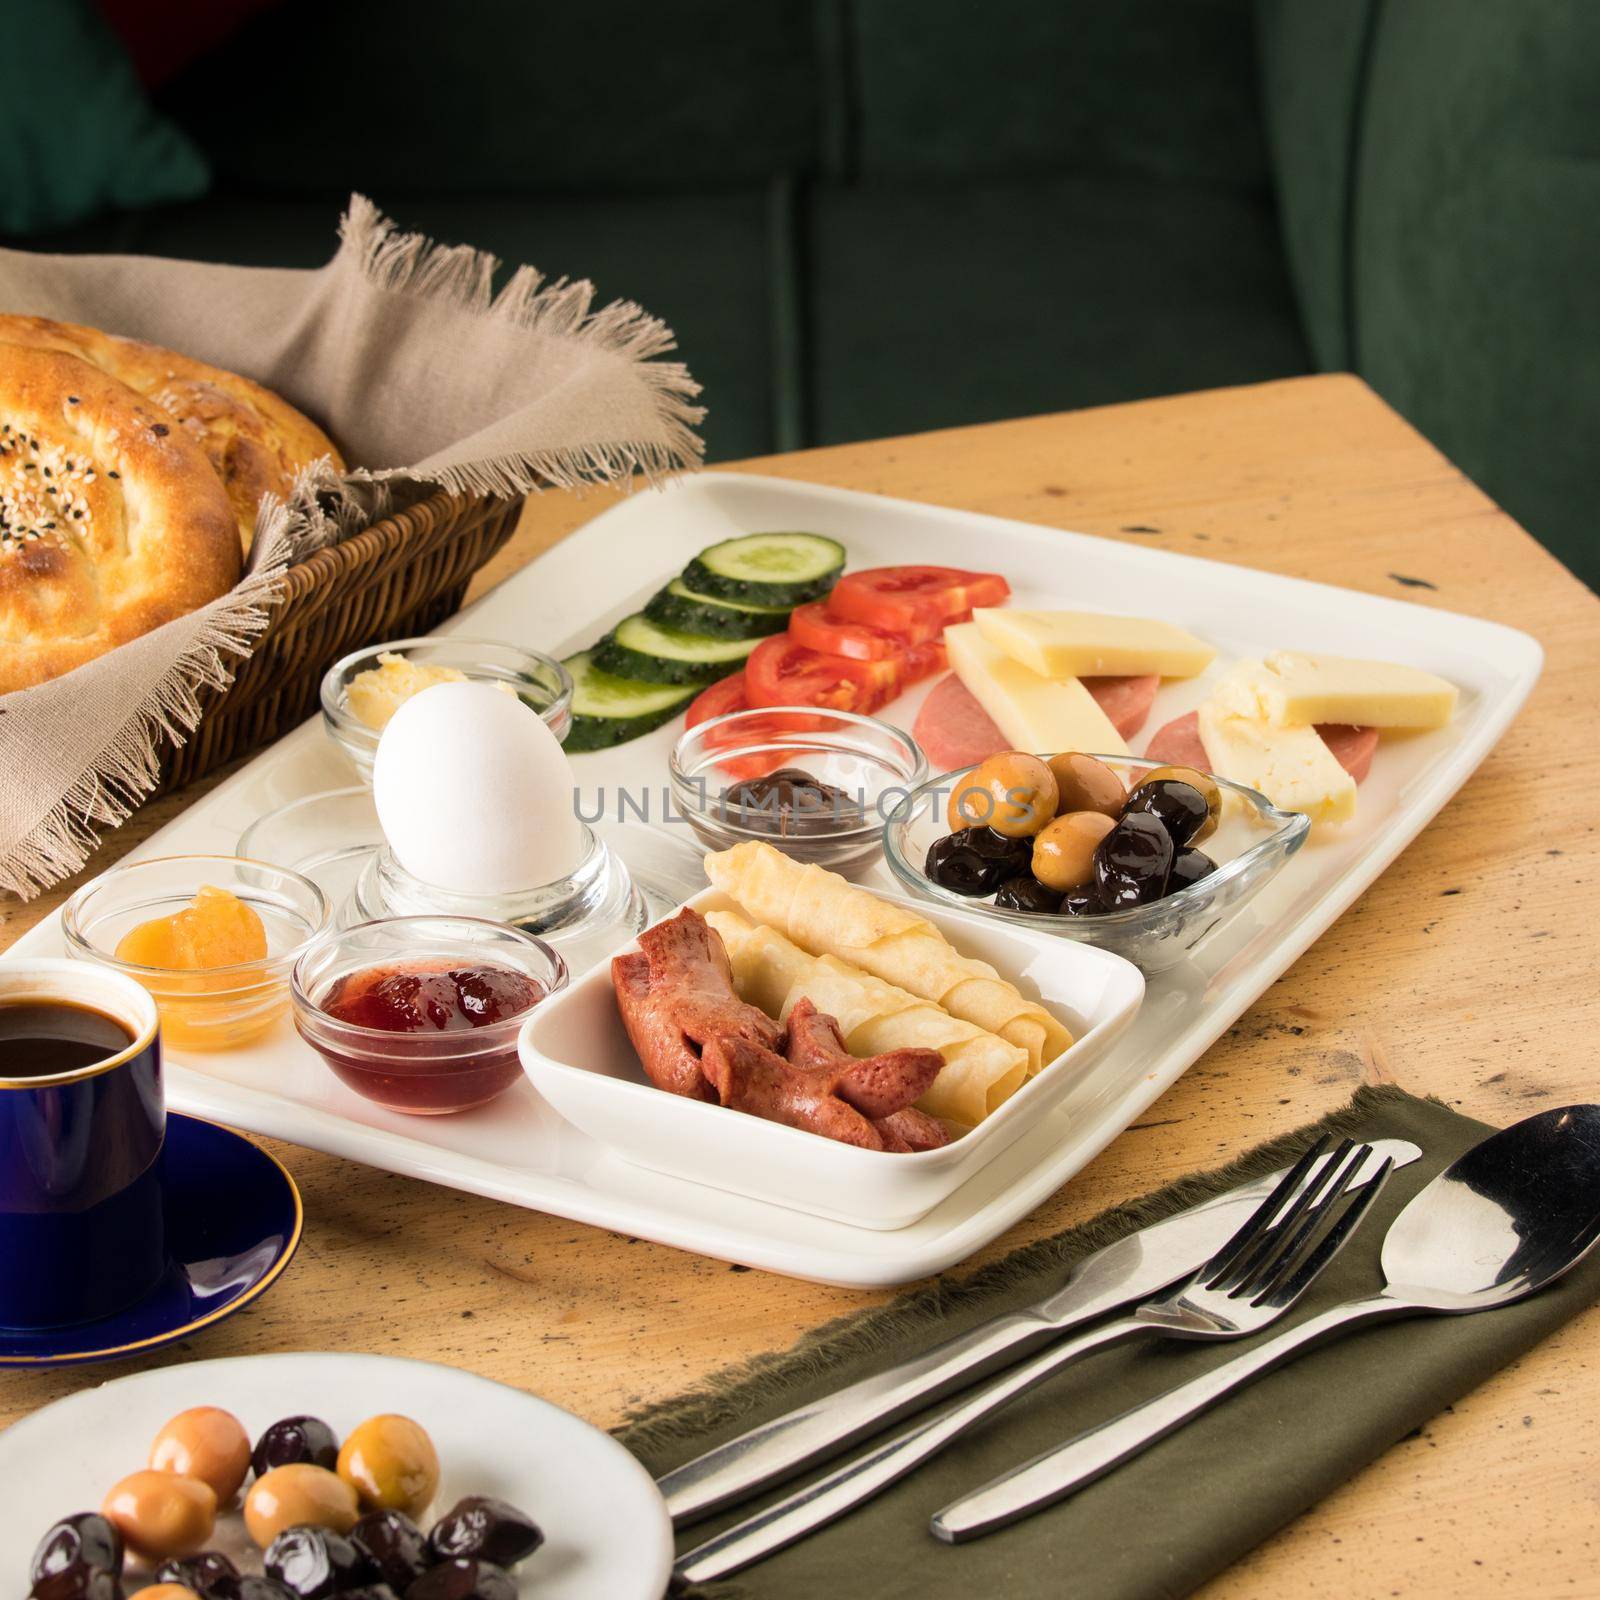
(1255,1277)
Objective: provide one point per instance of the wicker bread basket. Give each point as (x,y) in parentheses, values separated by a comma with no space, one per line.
(402,575)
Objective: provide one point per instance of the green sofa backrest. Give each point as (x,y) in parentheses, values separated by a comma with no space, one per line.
(520,97)
(1164,89)
(507,97)
(1438,172)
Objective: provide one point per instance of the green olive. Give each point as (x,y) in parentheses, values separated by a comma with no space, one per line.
(1063,853)
(391,1463)
(1012,792)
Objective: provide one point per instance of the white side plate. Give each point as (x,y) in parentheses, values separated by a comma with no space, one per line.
(520,1150)
(607,1533)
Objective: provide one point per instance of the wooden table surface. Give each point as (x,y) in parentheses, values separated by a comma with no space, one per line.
(1468,971)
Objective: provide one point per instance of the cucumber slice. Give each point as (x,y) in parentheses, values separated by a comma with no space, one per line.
(640,648)
(767,569)
(608,710)
(678,606)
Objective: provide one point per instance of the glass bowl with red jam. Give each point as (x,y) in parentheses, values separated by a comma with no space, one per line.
(421,1014)
(815,784)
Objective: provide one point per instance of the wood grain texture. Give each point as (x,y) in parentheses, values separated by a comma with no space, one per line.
(1467,971)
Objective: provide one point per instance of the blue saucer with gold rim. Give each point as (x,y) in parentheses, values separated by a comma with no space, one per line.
(233,1223)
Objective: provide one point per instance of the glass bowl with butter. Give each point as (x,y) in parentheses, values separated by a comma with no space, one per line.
(1253,841)
(364,689)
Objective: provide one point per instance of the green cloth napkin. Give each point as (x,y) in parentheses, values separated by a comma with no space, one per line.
(1164,1523)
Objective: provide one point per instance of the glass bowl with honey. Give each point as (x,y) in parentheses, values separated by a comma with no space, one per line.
(213,938)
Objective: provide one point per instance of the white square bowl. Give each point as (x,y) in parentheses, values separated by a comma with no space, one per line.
(577,1054)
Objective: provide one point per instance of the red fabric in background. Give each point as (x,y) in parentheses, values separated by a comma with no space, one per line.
(163,36)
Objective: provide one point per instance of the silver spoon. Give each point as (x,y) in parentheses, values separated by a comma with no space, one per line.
(1502,1221)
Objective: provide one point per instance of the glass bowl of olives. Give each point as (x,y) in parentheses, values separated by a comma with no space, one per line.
(1139,857)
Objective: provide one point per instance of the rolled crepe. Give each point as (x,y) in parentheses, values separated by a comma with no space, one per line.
(825,915)
(980,1070)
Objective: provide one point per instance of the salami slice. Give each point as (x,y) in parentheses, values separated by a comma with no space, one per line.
(1178,745)
(953,729)
(1352,748)
(1126,701)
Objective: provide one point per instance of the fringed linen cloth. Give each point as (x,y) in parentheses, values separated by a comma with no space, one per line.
(401,349)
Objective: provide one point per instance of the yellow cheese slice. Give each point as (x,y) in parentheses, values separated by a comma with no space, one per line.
(1090,644)
(1295,687)
(1289,764)
(1038,714)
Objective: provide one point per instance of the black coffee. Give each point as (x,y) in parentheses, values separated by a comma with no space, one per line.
(39,1038)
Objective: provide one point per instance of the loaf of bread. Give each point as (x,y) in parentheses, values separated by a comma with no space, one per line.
(129,479)
(254,440)
(112,520)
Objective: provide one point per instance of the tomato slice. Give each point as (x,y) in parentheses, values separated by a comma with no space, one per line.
(783,672)
(922,661)
(726,694)
(819,628)
(915,602)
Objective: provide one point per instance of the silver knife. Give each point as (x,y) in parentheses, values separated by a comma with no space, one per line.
(1131,1269)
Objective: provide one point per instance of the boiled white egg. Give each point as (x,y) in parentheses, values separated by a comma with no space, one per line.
(475,793)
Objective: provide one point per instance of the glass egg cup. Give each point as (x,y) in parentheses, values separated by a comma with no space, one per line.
(421,1074)
(1153,936)
(626,876)
(212,1008)
(540,681)
(873,762)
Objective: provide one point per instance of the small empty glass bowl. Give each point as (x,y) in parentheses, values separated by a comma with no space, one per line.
(874,766)
(427,1072)
(1252,844)
(539,680)
(210,1008)
(328,837)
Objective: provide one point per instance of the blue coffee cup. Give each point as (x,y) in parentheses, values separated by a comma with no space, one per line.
(82,1233)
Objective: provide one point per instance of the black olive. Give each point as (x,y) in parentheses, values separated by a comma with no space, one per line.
(1189,866)
(1026,893)
(955,865)
(295,1439)
(394,1547)
(210,1574)
(1178,806)
(315,1562)
(1013,854)
(85,1540)
(252,1587)
(482,1526)
(79,1583)
(1082,902)
(464,1578)
(1132,862)
(369,1591)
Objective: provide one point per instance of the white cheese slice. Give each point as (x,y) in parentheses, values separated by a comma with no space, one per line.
(1289,764)
(1374,694)
(1038,714)
(1091,644)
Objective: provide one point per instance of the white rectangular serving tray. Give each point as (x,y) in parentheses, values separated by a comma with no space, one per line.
(520,1150)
